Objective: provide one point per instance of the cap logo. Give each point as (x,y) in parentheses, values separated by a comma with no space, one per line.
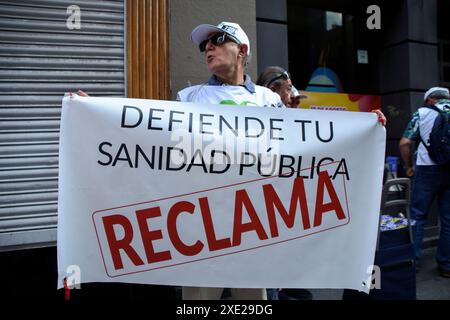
(229,29)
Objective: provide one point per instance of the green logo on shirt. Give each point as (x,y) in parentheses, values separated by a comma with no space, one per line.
(243,103)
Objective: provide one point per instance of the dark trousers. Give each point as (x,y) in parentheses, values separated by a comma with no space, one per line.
(431,182)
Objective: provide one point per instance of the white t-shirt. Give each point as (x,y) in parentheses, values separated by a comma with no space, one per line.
(426,121)
(234,95)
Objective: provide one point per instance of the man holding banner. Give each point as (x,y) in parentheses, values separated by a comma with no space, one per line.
(296,189)
(227,53)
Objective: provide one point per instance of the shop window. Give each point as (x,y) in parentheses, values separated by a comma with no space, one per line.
(331,49)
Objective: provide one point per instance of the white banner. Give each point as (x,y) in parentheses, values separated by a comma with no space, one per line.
(162,192)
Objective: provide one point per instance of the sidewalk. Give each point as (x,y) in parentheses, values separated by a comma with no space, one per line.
(430,286)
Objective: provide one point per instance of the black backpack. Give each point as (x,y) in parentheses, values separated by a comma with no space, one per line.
(439,148)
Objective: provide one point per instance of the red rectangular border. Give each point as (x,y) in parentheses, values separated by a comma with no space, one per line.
(219,255)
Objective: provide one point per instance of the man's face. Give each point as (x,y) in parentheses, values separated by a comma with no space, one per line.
(284,90)
(223,57)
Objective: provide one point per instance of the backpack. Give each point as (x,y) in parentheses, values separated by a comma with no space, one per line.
(439,140)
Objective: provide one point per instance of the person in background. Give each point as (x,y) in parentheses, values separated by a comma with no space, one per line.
(226,49)
(430,180)
(278,80)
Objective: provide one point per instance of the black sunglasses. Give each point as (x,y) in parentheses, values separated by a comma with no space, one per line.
(217,40)
(284,75)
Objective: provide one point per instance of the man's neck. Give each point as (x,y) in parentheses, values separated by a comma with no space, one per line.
(232,79)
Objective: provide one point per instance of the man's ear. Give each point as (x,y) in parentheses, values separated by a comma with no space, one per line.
(243,50)
(272,88)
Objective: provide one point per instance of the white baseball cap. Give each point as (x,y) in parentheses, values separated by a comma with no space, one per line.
(433,90)
(201,33)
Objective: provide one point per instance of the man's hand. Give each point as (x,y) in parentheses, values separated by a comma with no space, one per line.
(82,93)
(381,118)
(409,171)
